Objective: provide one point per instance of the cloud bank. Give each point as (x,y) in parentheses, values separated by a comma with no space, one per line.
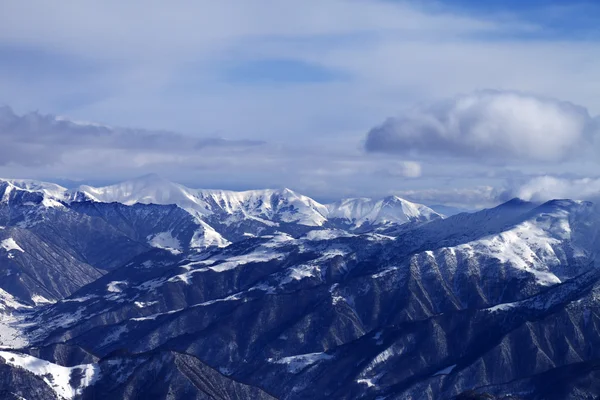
(35,139)
(546,188)
(489,125)
(48,147)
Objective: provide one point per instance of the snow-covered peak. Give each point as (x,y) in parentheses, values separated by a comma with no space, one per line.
(51,189)
(48,194)
(148,189)
(268,206)
(281,205)
(389,210)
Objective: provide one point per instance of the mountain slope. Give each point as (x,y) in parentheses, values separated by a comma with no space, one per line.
(265,206)
(292,315)
(372,302)
(387,211)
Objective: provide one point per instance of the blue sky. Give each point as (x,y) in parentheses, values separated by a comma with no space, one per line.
(311,79)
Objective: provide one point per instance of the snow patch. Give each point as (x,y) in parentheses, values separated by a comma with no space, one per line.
(114,286)
(39,300)
(502,307)
(143,304)
(297,363)
(327,234)
(8,301)
(11,335)
(207,237)
(54,375)
(80,299)
(165,241)
(10,244)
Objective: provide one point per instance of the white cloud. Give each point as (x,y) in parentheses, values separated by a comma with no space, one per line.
(489,124)
(160,66)
(546,188)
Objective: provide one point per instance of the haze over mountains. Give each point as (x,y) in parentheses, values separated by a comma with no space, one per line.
(270,294)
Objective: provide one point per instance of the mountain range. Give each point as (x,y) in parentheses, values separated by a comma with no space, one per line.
(151,290)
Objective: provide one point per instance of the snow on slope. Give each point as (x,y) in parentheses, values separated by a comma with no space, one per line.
(207,237)
(149,189)
(297,363)
(166,241)
(10,244)
(52,195)
(544,243)
(51,190)
(54,375)
(268,206)
(263,205)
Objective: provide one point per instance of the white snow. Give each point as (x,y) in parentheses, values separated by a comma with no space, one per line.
(255,257)
(392,209)
(11,335)
(261,205)
(80,299)
(115,286)
(298,273)
(38,299)
(384,356)
(48,190)
(368,382)
(51,203)
(10,244)
(276,240)
(297,363)
(165,241)
(384,272)
(502,307)
(207,237)
(327,234)
(54,375)
(267,206)
(142,304)
(212,264)
(7,301)
(154,316)
(527,246)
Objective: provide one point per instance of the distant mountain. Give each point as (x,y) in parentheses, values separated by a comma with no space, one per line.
(387,211)
(266,206)
(149,289)
(58,240)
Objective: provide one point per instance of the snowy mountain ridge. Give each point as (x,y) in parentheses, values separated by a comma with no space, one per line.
(268,294)
(268,206)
